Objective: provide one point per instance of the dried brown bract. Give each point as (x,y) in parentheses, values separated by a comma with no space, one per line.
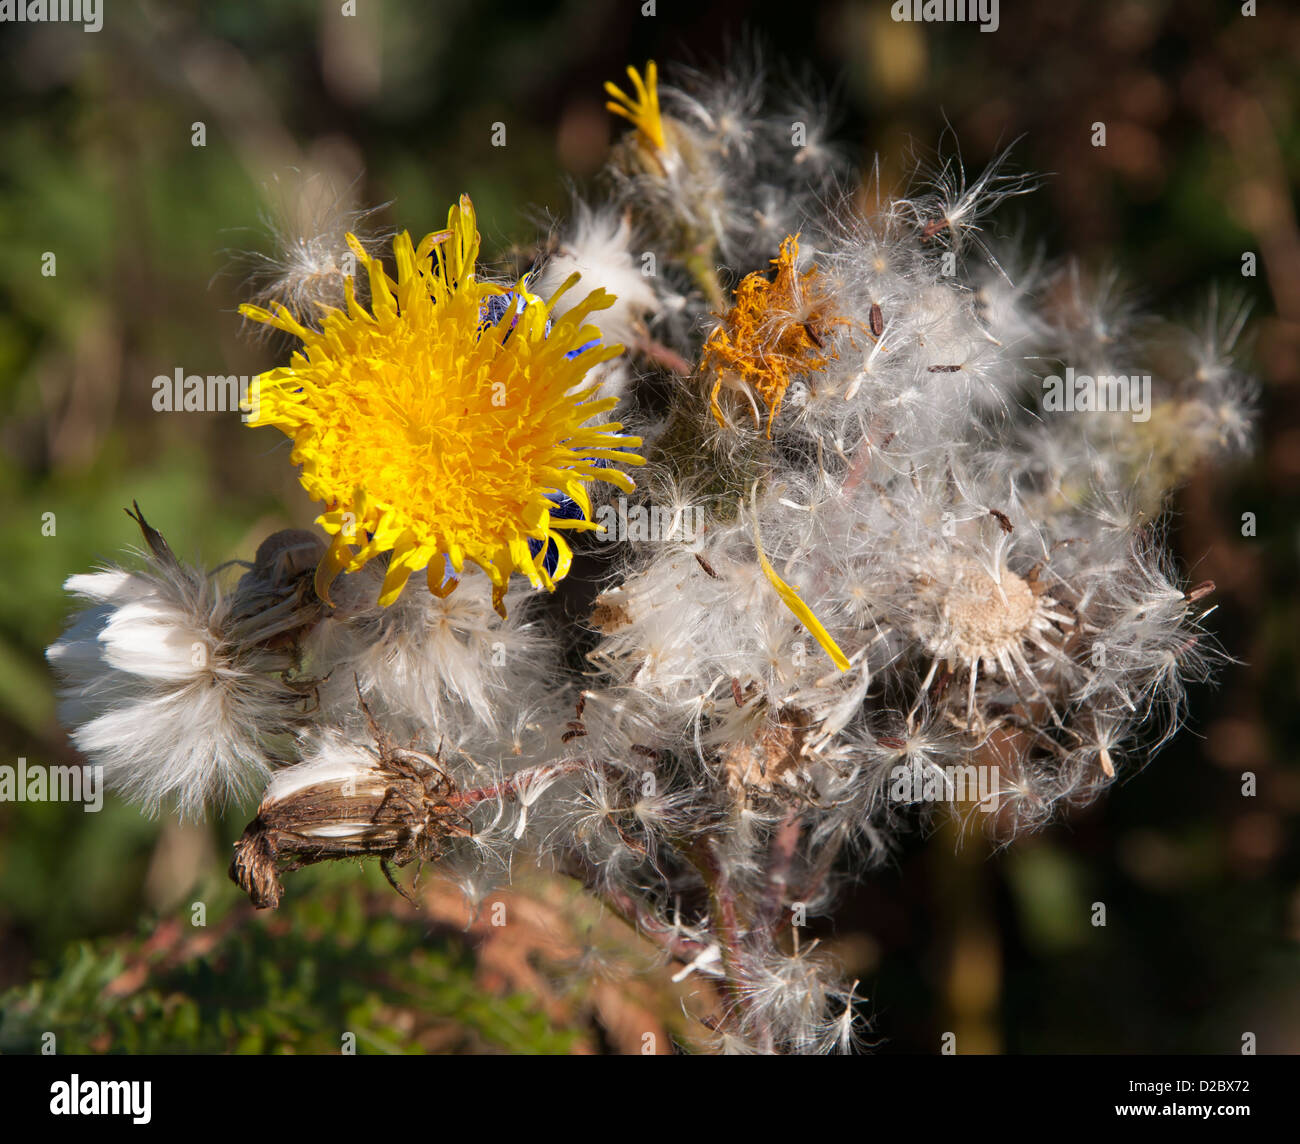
(398,805)
(756,767)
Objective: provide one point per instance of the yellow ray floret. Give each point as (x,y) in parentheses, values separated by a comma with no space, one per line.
(441,435)
(642,110)
(791,599)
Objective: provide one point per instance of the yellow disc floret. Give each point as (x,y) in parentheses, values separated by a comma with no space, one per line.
(443,430)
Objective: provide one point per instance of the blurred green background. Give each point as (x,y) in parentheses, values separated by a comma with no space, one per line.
(1202,107)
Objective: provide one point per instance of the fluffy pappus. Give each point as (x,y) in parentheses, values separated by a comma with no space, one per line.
(448,668)
(169,690)
(310,262)
(599,245)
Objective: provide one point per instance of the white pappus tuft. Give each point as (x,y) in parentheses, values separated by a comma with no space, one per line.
(168,689)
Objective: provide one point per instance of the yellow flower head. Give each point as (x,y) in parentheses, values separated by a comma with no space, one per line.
(440,425)
(774,331)
(641,110)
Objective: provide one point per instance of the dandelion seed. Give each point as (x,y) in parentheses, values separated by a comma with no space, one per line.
(701,963)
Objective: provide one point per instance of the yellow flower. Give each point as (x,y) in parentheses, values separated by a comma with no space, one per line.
(643,110)
(443,432)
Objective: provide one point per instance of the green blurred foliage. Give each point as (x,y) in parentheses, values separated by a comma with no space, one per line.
(328,965)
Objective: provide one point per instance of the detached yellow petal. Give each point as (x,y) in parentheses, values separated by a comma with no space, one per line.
(792,601)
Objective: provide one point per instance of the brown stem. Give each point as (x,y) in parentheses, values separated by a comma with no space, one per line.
(508,788)
(821,869)
(632,910)
(662,355)
(785,842)
(730,931)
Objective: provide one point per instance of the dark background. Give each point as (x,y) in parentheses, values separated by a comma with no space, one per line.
(1202,107)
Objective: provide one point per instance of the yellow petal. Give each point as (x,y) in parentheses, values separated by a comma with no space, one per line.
(792,601)
(336,558)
